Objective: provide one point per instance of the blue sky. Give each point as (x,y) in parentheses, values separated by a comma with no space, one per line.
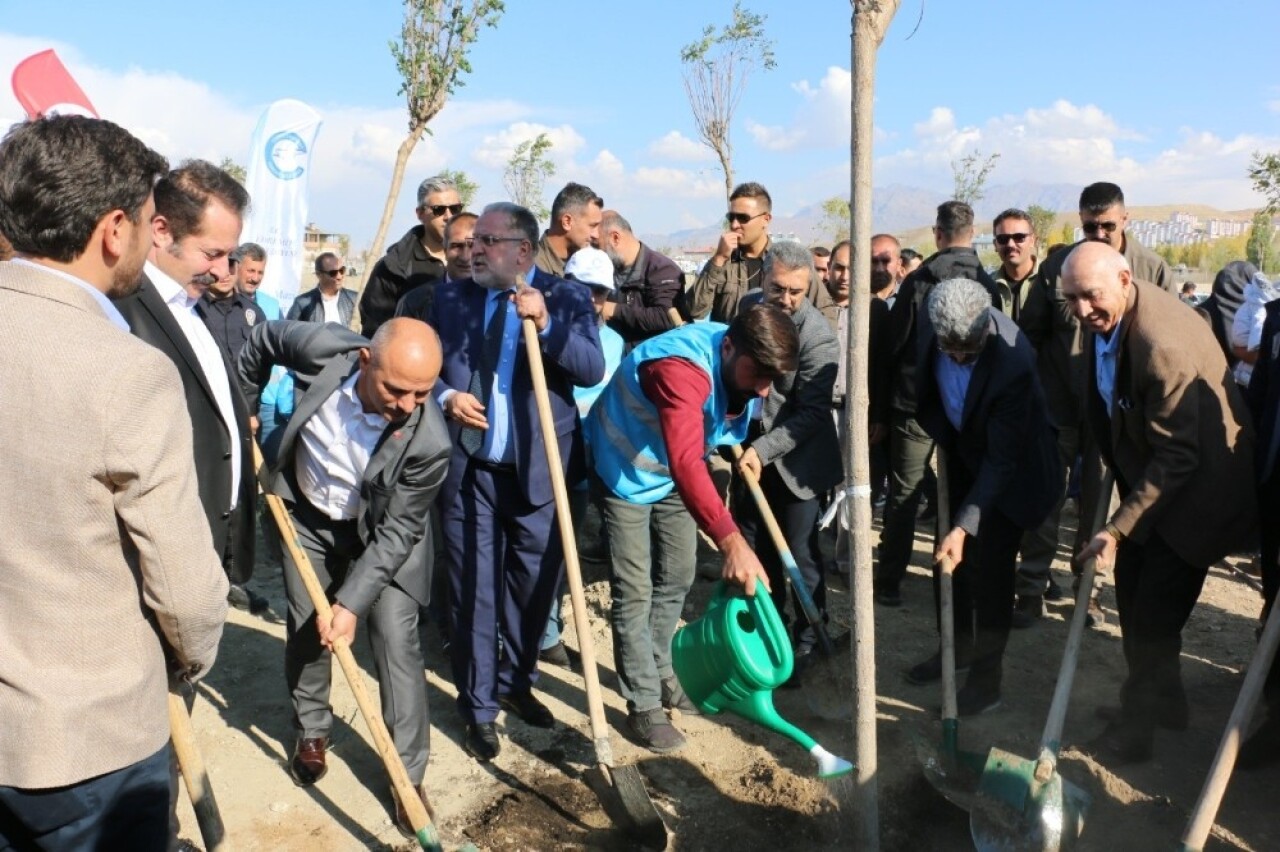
(1165,101)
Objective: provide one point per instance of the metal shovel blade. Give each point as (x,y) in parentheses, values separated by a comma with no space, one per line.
(623,796)
(952,772)
(1015,812)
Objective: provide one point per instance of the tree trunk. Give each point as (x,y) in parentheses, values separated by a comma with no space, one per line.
(870,20)
(388,210)
(726,165)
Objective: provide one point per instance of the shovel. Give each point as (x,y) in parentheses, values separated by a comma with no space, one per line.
(952,772)
(615,785)
(425,832)
(1215,786)
(1026,804)
(208,818)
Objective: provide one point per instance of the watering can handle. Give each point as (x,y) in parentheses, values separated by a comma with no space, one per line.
(772,632)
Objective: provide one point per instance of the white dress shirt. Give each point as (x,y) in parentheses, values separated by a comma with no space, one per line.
(334,449)
(330,306)
(212,364)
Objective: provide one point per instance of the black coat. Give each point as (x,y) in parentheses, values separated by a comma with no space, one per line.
(151,321)
(405,267)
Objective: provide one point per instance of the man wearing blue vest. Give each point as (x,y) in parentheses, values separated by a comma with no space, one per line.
(673,399)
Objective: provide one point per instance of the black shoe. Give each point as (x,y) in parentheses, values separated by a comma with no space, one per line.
(242,597)
(529,709)
(1123,743)
(1053,592)
(1173,715)
(1263,748)
(974,701)
(556,655)
(886,595)
(931,670)
(1027,611)
(307,766)
(653,730)
(482,741)
(675,698)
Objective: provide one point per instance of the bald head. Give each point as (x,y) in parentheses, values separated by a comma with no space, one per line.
(399,368)
(1096,283)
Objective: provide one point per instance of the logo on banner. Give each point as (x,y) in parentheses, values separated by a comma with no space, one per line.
(285,153)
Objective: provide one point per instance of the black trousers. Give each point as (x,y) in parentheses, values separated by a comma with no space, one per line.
(1269,508)
(982,586)
(798,520)
(1155,593)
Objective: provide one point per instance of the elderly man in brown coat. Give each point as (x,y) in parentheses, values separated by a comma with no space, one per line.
(1169,422)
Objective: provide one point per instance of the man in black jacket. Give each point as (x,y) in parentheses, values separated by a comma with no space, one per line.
(417,260)
(909,446)
(647,284)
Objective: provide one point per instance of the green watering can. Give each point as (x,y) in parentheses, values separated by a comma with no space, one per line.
(733,657)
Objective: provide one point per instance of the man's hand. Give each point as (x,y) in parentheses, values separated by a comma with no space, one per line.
(1101,547)
(876,433)
(466,409)
(729,242)
(253,423)
(741,565)
(951,547)
(343,626)
(530,305)
(750,463)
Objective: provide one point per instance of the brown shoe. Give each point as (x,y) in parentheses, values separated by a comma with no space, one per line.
(402,818)
(308,766)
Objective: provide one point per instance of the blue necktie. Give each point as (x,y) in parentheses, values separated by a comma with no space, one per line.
(481,386)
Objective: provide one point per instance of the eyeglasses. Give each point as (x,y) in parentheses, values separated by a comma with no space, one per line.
(1005,239)
(461,245)
(1094,227)
(742,218)
(441,209)
(334,273)
(492,240)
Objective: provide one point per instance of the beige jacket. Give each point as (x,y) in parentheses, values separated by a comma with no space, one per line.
(107,558)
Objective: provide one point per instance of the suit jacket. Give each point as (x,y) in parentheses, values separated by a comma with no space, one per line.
(106,558)
(1179,437)
(1264,395)
(1005,440)
(308,308)
(799,432)
(571,355)
(400,483)
(152,321)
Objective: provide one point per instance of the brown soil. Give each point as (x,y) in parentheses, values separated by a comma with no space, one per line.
(735,786)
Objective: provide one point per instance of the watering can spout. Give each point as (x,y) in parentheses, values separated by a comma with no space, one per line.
(758,707)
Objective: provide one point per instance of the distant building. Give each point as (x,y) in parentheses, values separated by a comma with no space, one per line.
(316,242)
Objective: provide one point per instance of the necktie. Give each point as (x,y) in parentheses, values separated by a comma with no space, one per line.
(481,386)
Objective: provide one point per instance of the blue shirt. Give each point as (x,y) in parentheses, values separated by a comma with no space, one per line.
(953,386)
(497,446)
(1106,349)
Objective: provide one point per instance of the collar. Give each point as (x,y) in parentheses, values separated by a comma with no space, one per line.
(351,399)
(169,289)
(113,314)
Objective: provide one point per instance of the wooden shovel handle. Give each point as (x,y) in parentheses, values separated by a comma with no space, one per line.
(428,837)
(196,778)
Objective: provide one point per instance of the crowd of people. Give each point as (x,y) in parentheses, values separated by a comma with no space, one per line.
(412,462)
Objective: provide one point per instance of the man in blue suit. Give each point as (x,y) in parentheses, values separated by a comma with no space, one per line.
(498,513)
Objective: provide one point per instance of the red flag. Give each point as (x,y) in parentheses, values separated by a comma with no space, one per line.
(43,86)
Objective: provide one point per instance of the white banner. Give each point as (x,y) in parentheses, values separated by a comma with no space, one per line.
(278,174)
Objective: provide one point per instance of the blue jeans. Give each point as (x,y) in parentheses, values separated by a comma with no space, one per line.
(125,809)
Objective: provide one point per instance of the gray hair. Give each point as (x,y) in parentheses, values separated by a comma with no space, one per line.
(789,255)
(958,310)
(433,184)
(250,251)
(520,217)
(613,221)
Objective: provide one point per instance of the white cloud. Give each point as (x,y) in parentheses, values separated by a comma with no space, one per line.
(676,183)
(496,149)
(676,146)
(821,120)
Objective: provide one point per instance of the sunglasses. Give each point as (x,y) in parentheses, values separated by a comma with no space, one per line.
(1005,239)
(441,209)
(492,240)
(461,245)
(741,218)
(1094,227)
(334,273)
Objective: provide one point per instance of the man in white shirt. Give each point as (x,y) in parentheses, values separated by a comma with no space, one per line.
(329,301)
(195,228)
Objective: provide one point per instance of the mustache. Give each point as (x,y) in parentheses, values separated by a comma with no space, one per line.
(206,280)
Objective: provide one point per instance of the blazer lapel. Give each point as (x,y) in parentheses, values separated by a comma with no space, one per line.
(391,445)
(150,299)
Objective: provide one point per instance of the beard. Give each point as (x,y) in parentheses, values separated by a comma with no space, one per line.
(126,277)
(880,280)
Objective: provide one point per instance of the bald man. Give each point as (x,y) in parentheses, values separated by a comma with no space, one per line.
(1169,422)
(360,464)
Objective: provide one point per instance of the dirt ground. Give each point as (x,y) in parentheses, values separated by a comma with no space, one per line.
(735,785)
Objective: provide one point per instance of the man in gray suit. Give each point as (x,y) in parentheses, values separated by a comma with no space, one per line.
(793,448)
(110,578)
(360,464)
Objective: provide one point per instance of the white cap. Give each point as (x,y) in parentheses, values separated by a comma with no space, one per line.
(592,267)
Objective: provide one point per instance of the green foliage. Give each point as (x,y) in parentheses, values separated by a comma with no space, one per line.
(527,172)
(234,169)
(970,176)
(467,188)
(716,68)
(1264,171)
(836,217)
(1259,248)
(1042,219)
(431,54)
(1066,235)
